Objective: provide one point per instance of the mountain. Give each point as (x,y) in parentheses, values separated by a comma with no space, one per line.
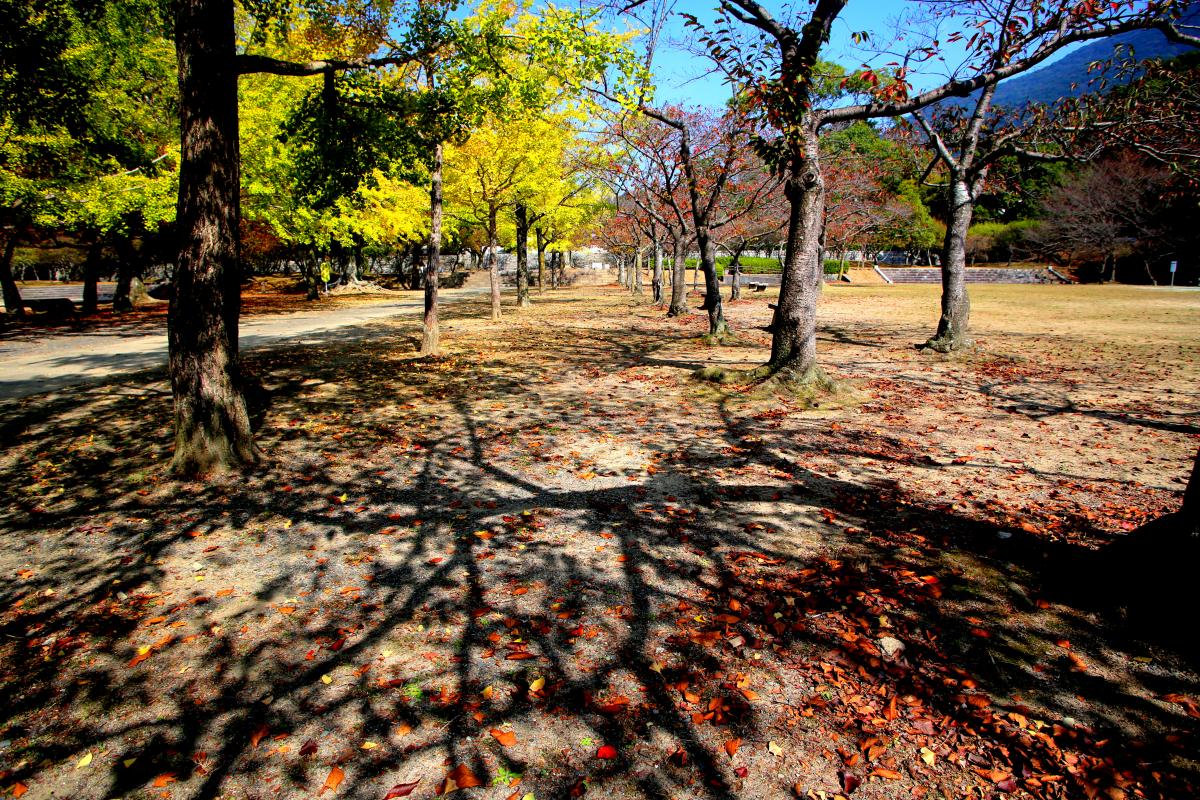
(1051,82)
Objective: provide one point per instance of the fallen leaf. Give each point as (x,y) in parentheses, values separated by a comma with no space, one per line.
(890,774)
(849,782)
(506,738)
(401,790)
(326,679)
(257,735)
(461,777)
(18,789)
(403,729)
(333,781)
(369,745)
(83,762)
(774,749)
(607,752)
(928,756)
(731,747)
(309,748)
(164,779)
(537,684)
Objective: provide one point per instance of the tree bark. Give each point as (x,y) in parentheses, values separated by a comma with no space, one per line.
(656,280)
(717,327)
(212,426)
(128,268)
(91,276)
(522,224)
(636,282)
(678,279)
(430,332)
(956,304)
(794,326)
(493,269)
(735,274)
(541,259)
(12,295)
(1190,511)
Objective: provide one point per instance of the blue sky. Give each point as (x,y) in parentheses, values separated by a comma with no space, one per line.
(681,75)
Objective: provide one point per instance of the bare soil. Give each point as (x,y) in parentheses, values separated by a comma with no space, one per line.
(554,565)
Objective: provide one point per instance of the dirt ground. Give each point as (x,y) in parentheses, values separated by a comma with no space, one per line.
(553,565)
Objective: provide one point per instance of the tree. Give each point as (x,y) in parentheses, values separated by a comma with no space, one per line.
(774,64)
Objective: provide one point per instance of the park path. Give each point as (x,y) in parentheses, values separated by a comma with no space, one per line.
(54,362)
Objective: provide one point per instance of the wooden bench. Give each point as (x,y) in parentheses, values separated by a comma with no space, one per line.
(756,287)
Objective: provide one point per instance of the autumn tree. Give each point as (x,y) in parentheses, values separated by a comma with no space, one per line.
(774,65)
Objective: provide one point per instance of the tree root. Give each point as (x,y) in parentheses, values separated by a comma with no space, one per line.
(812,386)
(944,344)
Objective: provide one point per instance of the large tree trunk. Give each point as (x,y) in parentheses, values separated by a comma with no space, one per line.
(494,268)
(354,264)
(212,427)
(1191,499)
(522,224)
(678,306)
(956,305)
(717,327)
(91,276)
(621,271)
(430,335)
(635,285)
(656,280)
(794,326)
(541,259)
(12,295)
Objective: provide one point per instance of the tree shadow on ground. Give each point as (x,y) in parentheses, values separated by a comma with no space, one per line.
(442,548)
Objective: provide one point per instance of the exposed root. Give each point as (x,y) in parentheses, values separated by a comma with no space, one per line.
(812,387)
(944,344)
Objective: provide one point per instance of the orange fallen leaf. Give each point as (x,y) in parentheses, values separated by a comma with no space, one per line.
(731,747)
(461,777)
(890,774)
(506,738)
(257,735)
(164,779)
(333,781)
(19,789)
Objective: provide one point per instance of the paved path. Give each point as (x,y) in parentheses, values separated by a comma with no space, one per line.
(67,359)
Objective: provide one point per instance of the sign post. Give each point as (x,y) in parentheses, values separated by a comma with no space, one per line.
(1174,265)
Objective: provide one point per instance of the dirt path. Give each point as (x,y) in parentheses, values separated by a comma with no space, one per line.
(551,564)
(51,362)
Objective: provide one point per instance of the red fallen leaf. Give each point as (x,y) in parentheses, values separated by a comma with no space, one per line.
(849,782)
(506,738)
(519,656)
(607,752)
(732,746)
(890,774)
(309,748)
(401,790)
(520,590)
(333,781)
(164,779)
(338,645)
(741,772)
(461,777)
(257,735)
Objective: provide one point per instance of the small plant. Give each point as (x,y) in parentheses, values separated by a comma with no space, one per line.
(413,691)
(586,741)
(505,777)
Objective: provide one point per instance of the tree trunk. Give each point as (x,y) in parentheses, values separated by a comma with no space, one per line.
(621,271)
(735,275)
(127,269)
(956,305)
(794,326)
(312,275)
(12,295)
(493,269)
(636,283)
(678,280)
(91,276)
(212,426)
(717,327)
(354,264)
(656,280)
(1191,500)
(522,224)
(430,333)
(541,259)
